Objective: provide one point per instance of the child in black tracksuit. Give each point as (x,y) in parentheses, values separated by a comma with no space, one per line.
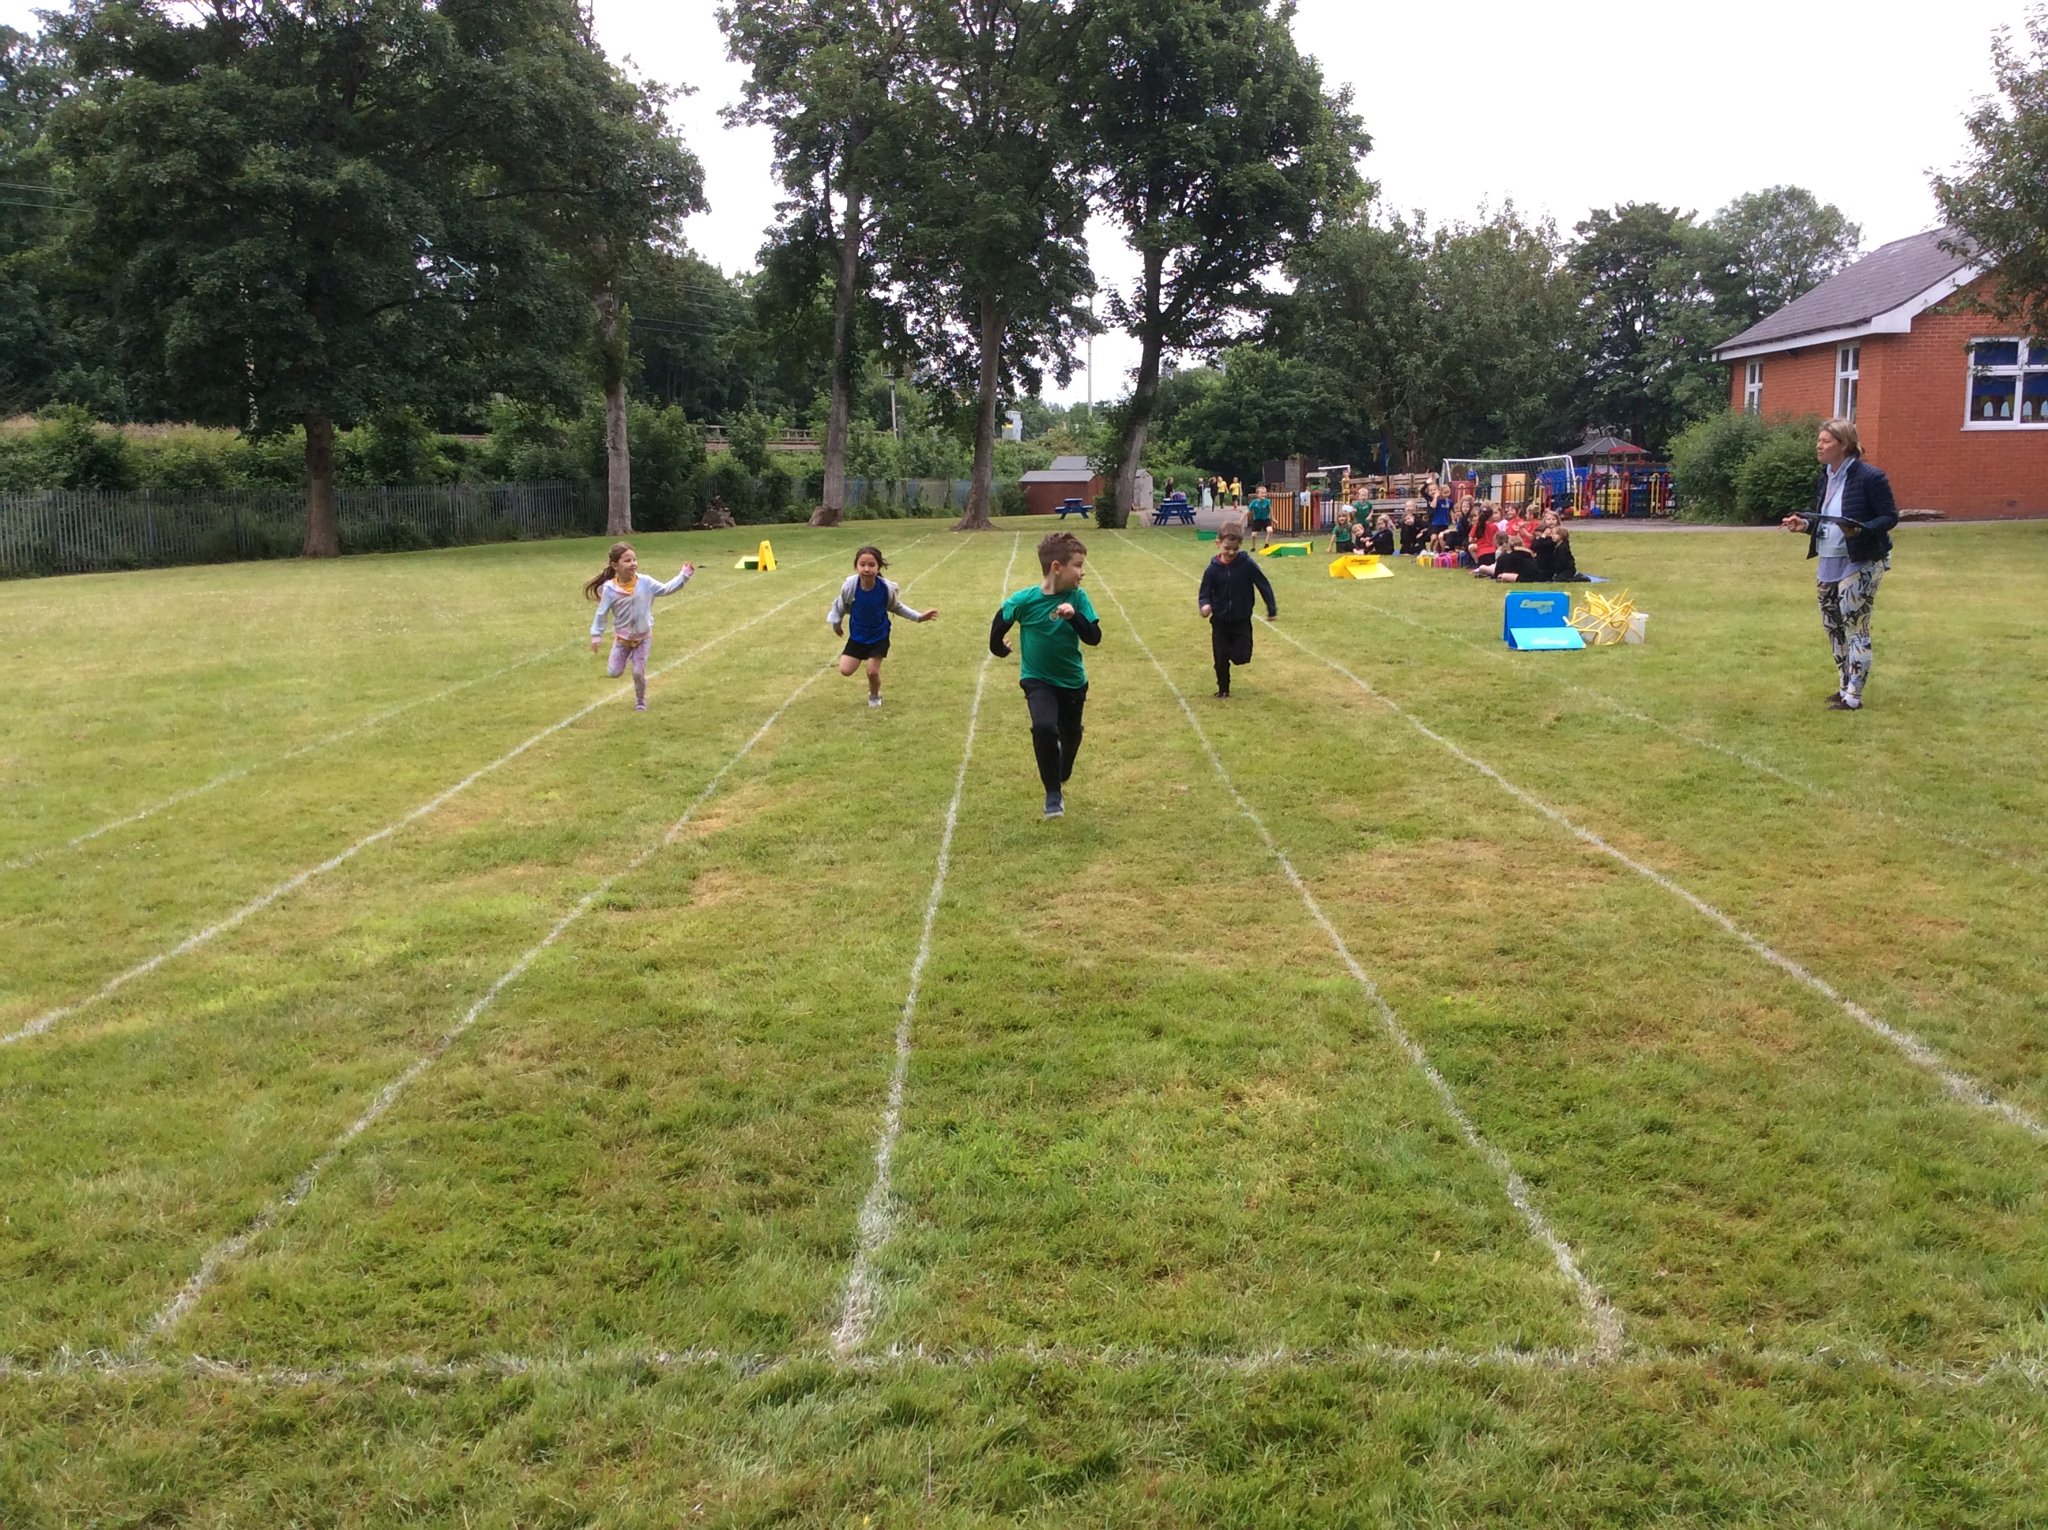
(1226,599)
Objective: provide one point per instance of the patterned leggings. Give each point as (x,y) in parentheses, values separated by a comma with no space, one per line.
(635,655)
(1845,613)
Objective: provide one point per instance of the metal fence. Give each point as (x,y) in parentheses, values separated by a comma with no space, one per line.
(66,531)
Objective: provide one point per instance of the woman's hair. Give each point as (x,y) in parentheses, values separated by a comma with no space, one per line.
(611,569)
(1844,431)
(861,552)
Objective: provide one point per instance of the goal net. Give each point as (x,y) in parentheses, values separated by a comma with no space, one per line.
(1518,481)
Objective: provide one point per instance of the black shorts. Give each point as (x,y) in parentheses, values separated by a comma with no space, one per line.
(858,650)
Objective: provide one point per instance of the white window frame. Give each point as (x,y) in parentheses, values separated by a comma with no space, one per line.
(1753,388)
(1848,372)
(2033,358)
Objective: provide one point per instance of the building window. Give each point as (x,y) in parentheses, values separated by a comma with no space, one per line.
(1753,388)
(1848,368)
(2008,383)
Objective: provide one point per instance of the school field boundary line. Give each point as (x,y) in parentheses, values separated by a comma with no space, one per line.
(1910,1046)
(1602,1318)
(877,1219)
(2024,1370)
(53,1017)
(374,720)
(231,1248)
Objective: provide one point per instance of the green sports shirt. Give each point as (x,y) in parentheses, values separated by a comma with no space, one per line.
(1050,647)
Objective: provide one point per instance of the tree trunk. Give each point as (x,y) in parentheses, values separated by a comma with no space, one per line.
(1144,393)
(845,293)
(323,520)
(976,518)
(618,454)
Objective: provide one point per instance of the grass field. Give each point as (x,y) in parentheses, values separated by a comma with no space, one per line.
(1438,1086)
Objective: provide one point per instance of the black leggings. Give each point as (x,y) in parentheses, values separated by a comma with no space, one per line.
(1055,728)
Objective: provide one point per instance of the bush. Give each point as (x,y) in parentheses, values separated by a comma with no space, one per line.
(1779,476)
(66,450)
(1706,457)
(1107,515)
(1011,500)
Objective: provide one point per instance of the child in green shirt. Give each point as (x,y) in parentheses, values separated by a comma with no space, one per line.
(1057,618)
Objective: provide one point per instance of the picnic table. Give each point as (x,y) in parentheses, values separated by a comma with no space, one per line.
(1074,507)
(1174,508)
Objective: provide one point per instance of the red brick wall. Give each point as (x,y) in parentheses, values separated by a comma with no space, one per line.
(1910,406)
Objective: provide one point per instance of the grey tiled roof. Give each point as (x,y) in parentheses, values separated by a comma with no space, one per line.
(1879,282)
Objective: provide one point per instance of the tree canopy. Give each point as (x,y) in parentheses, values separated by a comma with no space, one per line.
(1999,200)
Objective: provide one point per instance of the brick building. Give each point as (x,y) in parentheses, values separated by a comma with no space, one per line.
(1950,403)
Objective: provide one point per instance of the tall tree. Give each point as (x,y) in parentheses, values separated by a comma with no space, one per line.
(33,80)
(312,211)
(1999,200)
(1652,321)
(1771,246)
(822,75)
(1217,151)
(984,210)
(607,182)
(1448,341)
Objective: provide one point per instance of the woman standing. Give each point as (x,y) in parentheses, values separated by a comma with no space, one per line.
(1849,532)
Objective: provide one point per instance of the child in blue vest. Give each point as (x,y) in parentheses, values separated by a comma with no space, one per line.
(866,600)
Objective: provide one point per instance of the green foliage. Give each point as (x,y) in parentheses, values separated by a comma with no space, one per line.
(1270,405)
(66,450)
(1734,467)
(1706,457)
(1109,515)
(750,431)
(2000,200)
(1217,149)
(1779,476)
(1012,500)
(1768,247)
(1653,324)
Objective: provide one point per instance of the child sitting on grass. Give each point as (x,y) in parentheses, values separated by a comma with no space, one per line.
(1057,618)
(1226,603)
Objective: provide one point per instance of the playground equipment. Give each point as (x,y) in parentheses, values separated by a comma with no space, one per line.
(1286,549)
(764,560)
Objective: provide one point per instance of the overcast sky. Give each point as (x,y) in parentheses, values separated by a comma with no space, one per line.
(1562,107)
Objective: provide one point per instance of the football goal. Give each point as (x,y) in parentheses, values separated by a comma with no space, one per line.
(1518,480)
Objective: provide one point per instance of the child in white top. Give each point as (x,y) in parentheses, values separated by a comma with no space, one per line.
(868,599)
(628,599)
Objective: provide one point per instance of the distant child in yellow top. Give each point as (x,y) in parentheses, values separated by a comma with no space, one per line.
(628,599)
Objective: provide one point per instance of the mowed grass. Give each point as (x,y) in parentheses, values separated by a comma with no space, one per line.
(494,1202)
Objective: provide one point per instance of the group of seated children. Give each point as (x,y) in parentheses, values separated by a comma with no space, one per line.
(1358,530)
(1514,546)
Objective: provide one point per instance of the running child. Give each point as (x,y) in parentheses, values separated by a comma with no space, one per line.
(1261,509)
(629,600)
(1057,618)
(1226,603)
(867,599)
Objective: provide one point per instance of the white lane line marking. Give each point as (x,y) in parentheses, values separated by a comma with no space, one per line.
(1601,1317)
(230,1249)
(1908,1045)
(193,942)
(374,720)
(877,1220)
(2027,1370)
